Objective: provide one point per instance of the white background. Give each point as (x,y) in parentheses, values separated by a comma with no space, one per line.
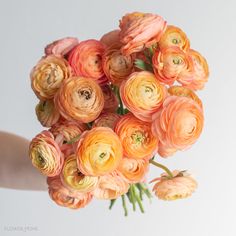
(27,26)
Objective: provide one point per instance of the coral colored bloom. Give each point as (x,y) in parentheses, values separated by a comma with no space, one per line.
(47,76)
(140,30)
(142,94)
(45,154)
(46,113)
(86,59)
(200,73)
(106,120)
(165,151)
(110,38)
(99,152)
(66,197)
(111,186)
(136,137)
(133,170)
(179,124)
(117,66)
(182,185)
(62,46)
(184,92)
(80,99)
(110,99)
(174,36)
(171,64)
(74,179)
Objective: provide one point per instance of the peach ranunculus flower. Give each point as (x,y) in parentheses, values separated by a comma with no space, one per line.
(107,119)
(184,92)
(133,170)
(174,36)
(80,99)
(99,151)
(182,185)
(140,30)
(61,47)
(111,186)
(46,113)
(200,73)
(143,94)
(65,197)
(86,59)
(45,154)
(110,38)
(171,64)
(179,124)
(110,99)
(136,137)
(117,66)
(74,179)
(47,76)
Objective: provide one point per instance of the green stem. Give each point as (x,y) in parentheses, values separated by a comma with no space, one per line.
(132,196)
(112,203)
(138,200)
(162,167)
(117,91)
(73,140)
(144,189)
(124,205)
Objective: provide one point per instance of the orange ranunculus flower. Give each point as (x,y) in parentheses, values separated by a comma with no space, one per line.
(182,185)
(66,197)
(47,76)
(133,170)
(165,151)
(142,94)
(86,59)
(111,186)
(171,64)
(110,99)
(99,151)
(45,154)
(117,66)
(174,36)
(46,113)
(61,47)
(184,92)
(199,74)
(106,120)
(80,99)
(179,124)
(110,38)
(140,30)
(136,137)
(74,179)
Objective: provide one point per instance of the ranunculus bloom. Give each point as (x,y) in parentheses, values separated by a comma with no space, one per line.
(184,92)
(45,154)
(136,137)
(80,99)
(62,46)
(106,120)
(142,94)
(182,185)
(117,66)
(165,151)
(111,186)
(86,59)
(110,38)
(140,30)
(171,64)
(74,179)
(47,76)
(46,113)
(66,197)
(179,124)
(133,170)
(200,73)
(110,99)
(174,36)
(99,151)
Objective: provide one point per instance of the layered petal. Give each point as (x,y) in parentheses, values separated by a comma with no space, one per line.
(110,100)
(106,120)
(110,38)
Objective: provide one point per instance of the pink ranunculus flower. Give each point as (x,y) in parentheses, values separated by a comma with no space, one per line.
(61,47)
(110,38)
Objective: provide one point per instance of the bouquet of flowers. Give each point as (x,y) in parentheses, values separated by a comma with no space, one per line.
(111,106)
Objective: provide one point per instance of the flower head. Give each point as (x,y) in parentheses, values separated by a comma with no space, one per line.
(106,120)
